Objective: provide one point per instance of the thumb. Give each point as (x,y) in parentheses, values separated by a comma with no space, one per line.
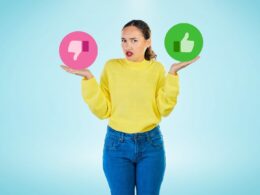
(186,36)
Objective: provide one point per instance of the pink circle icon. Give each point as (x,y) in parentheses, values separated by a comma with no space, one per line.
(78,50)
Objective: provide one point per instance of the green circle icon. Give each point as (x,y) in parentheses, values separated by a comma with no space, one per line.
(183,42)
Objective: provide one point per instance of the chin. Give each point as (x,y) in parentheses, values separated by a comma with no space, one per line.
(129,58)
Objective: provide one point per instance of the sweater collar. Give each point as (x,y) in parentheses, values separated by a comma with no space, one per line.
(136,65)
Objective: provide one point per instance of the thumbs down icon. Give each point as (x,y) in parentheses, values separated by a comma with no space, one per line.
(77,47)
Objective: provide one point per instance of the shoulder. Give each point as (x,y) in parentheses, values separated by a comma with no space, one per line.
(114,61)
(110,63)
(157,65)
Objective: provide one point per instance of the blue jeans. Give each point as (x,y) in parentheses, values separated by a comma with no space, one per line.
(134,160)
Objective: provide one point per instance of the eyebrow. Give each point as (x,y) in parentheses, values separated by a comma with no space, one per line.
(130,38)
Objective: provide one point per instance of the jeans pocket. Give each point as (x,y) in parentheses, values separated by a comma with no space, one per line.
(112,142)
(157,141)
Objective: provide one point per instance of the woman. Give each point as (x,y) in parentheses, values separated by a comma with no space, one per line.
(134,93)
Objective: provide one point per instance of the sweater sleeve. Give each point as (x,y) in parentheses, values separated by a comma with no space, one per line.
(167,92)
(96,96)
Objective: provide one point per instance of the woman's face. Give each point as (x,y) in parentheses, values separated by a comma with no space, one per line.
(134,44)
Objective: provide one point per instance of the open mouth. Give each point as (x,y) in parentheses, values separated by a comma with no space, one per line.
(129,53)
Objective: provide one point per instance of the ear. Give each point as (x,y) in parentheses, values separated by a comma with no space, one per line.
(149,42)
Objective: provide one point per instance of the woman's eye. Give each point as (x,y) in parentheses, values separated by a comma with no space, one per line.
(133,41)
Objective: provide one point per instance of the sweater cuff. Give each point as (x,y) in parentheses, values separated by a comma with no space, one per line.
(172,83)
(172,78)
(89,87)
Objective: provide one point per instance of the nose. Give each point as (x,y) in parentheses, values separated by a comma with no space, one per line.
(127,46)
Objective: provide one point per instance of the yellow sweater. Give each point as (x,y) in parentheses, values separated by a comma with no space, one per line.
(133,95)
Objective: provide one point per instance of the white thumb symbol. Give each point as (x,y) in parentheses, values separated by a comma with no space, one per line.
(186,45)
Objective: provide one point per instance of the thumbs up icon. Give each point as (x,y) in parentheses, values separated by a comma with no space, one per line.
(185,45)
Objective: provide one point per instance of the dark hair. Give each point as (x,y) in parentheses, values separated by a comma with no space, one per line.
(144,28)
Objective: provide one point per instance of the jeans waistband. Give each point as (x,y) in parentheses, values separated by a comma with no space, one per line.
(151,133)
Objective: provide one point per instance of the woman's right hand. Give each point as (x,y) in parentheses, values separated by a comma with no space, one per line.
(84,72)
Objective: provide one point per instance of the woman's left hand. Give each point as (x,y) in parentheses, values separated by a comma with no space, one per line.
(177,66)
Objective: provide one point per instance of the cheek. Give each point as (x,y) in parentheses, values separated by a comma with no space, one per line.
(123,45)
(141,48)
(138,47)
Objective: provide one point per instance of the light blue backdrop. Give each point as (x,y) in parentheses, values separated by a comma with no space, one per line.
(50,142)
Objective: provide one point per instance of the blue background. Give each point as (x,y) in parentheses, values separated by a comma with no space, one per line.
(50,142)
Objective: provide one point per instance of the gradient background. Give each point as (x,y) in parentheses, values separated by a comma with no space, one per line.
(50,142)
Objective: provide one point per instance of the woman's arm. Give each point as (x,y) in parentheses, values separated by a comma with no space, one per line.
(167,92)
(96,96)
(168,88)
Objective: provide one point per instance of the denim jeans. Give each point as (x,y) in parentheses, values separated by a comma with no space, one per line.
(134,161)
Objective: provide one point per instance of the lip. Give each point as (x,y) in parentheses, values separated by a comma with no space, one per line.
(129,53)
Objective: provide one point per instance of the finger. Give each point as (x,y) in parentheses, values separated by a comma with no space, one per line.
(73,71)
(186,36)
(182,64)
(195,59)
(62,66)
(191,61)
(68,69)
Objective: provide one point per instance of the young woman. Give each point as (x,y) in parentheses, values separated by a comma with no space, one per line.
(134,93)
